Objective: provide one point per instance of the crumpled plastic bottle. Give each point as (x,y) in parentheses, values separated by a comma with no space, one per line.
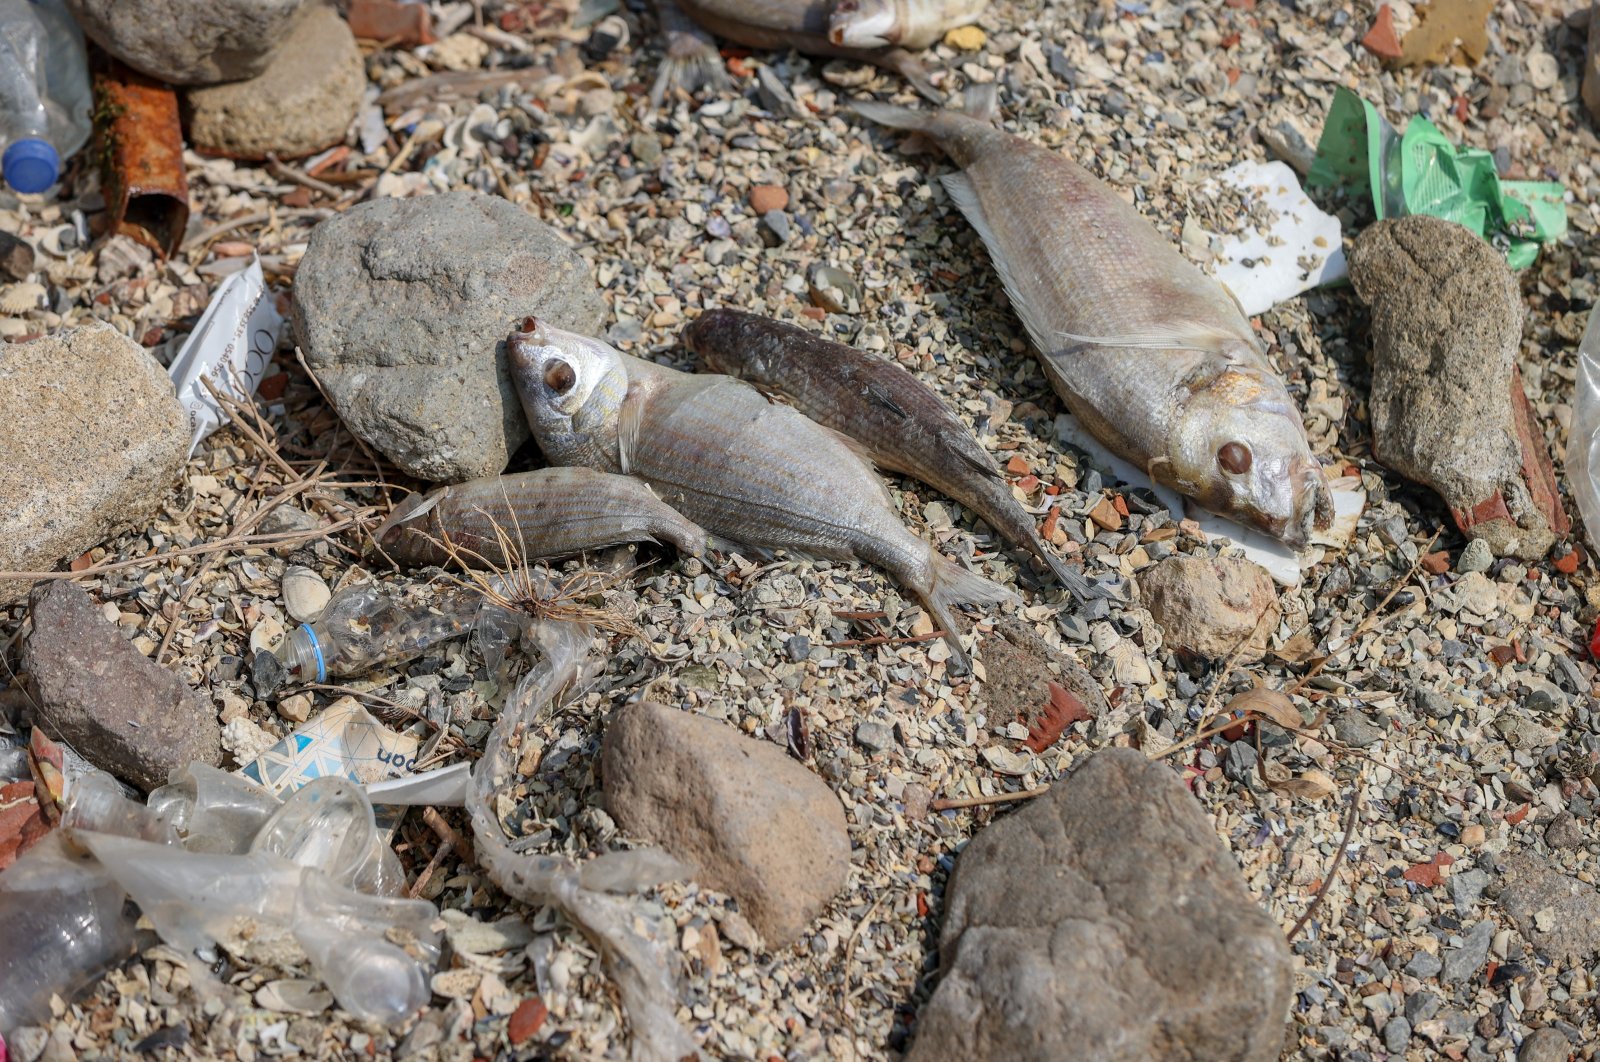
(1583,445)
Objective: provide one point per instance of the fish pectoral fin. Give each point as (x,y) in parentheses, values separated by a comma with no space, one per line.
(979,460)
(879,395)
(629,420)
(1204,340)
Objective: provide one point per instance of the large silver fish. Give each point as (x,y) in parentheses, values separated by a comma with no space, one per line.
(872,31)
(742,467)
(904,426)
(549,512)
(1153,357)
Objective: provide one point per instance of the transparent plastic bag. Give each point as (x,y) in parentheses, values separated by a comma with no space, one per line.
(1583,444)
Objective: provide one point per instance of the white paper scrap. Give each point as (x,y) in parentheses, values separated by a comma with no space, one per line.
(231,346)
(1304,249)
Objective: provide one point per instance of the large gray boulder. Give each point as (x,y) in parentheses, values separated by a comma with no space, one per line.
(189,42)
(115,706)
(1106,921)
(403,307)
(749,820)
(92,438)
(1447,405)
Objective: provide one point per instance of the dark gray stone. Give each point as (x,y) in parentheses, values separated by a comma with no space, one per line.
(1397,1034)
(190,42)
(874,737)
(16,257)
(1424,965)
(746,818)
(111,703)
(1421,1006)
(1355,729)
(1461,963)
(1545,1045)
(1105,920)
(403,306)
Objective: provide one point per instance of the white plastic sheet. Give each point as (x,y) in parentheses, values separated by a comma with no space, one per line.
(231,346)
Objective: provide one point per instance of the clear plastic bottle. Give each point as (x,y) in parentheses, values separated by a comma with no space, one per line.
(45,97)
(363,628)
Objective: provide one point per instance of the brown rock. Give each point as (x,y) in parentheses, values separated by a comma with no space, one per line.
(407,25)
(94,437)
(752,822)
(118,709)
(1210,606)
(303,102)
(765,197)
(1448,408)
(1106,921)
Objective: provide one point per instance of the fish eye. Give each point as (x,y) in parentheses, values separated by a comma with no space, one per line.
(1235,457)
(559,377)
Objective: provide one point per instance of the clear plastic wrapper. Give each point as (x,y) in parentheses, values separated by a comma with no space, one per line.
(1583,446)
(583,894)
(366,627)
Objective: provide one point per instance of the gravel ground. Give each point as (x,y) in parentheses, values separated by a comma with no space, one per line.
(1456,717)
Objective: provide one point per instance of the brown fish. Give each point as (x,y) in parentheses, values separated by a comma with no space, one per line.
(717,451)
(1153,357)
(549,512)
(904,426)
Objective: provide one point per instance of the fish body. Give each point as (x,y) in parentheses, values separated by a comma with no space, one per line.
(1153,357)
(549,512)
(903,425)
(872,31)
(742,467)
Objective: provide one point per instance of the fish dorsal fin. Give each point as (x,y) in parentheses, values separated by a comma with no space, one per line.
(1204,340)
(981,102)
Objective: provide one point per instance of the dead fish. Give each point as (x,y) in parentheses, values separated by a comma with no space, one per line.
(904,426)
(1153,357)
(716,450)
(871,31)
(549,512)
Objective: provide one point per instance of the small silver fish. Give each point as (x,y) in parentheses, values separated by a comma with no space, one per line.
(904,426)
(1153,357)
(871,31)
(549,512)
(716,450)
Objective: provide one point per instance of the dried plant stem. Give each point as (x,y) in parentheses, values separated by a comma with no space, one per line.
(1333,867)
(951,804)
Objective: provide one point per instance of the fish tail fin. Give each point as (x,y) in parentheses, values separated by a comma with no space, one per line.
(952,585)
(1070,578)
(692,63)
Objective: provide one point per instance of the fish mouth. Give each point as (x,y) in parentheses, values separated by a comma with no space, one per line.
(1312,501)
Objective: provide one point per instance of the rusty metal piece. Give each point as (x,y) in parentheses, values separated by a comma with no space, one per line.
(139,139)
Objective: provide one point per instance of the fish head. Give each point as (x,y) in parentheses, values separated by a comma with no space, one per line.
(571,388)
(866,23)
(1241,451)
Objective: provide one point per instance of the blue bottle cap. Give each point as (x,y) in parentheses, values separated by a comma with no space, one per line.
(30,165)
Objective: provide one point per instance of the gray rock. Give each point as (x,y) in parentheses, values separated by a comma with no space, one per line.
(16,257)
(1356,730)
(874,737)
(1209,606)
(302,102)
(1397,1034)
(1461,963)
(1564,831)
(1447,404)
(1557,914)
(1545,1045)
(117,708)
(747,818)
(1239,764)
(1423,965)
(1421,1006)
(1050,950)
(1476,557)
(1466,889)
(94,438)
(798,647)
(403,307)
(190,42)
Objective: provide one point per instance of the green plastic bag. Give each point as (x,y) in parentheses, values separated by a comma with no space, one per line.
(1421,172)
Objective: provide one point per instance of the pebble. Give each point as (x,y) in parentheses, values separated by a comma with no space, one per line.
(1477,557)
(1355,729)
(1545,1045)
(966,38)
(874,737)
(1462,962)
(295,709)
(16,257)
(305,594)
(797,647)
(1544,71)
(1397,1034)
(1424,965)
(765,198)
(1210,607)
